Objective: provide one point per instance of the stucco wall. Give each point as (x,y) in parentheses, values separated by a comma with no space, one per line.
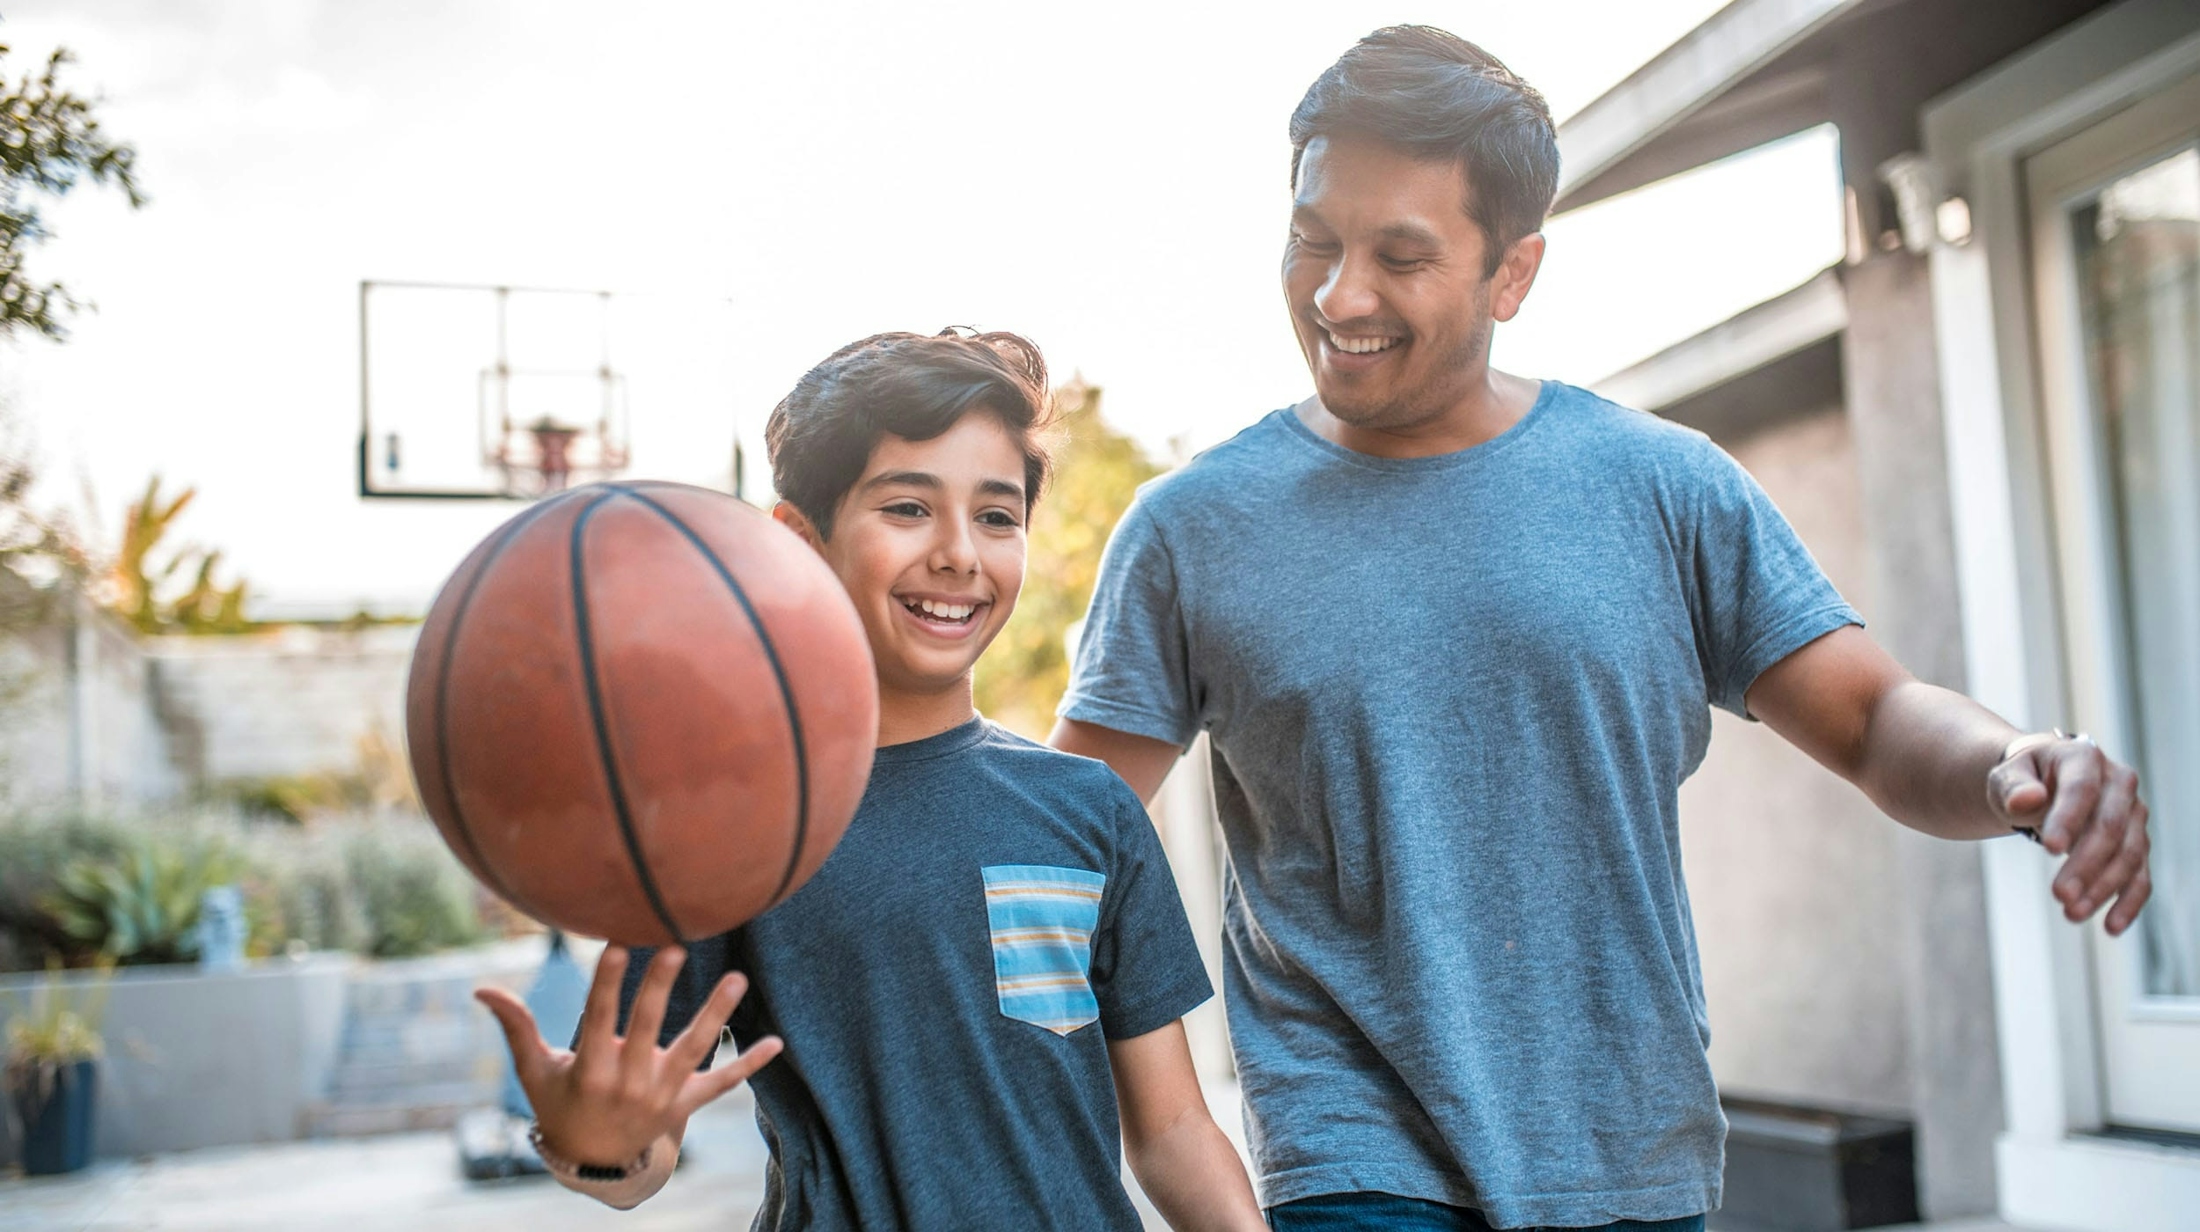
(1791,872)
(79,693)
(287,702)
(152,718)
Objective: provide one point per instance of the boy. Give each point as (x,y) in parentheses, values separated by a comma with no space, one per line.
(993,962)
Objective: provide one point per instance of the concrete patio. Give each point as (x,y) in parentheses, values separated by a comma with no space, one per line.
(393,1183)
(411,1183)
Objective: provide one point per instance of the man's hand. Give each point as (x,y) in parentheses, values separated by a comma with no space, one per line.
(2081,803)
(612,1096)
(1919,752)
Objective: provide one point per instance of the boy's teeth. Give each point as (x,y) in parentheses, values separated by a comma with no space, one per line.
(1361,346)
(946,611)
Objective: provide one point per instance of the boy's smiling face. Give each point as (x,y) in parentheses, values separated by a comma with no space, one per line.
(930,546)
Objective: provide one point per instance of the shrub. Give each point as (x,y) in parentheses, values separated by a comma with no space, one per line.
(141,906)
(414,896)
(75,888)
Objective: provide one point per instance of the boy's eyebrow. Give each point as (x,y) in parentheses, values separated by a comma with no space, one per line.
(926,479)
(903,479)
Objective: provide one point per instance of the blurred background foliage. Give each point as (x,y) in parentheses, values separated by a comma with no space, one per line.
(1096,471)
(159,586)
(83,889)
(50,141)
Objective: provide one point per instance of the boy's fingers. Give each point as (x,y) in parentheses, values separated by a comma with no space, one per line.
(701,1037)
(600,1017)
(705,1087)
(529,1050)
(647,1017)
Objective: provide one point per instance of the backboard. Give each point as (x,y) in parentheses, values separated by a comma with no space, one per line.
(472,392)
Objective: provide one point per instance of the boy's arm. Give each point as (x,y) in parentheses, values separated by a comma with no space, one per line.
(1179,1155)
(1141,761)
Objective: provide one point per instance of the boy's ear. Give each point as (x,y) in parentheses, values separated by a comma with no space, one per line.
(793,519)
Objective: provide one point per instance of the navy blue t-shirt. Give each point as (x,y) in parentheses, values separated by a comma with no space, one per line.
(946,986)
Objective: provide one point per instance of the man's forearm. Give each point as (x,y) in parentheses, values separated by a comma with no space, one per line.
(1925,757)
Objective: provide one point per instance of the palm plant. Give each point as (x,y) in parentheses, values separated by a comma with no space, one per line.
(142,907)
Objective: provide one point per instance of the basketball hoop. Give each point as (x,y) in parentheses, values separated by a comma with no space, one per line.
(544,430)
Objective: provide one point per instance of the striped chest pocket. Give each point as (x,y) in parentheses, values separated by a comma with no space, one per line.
(1043,920)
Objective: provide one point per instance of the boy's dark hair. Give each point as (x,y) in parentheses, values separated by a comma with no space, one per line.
(912,386)
(1437,96)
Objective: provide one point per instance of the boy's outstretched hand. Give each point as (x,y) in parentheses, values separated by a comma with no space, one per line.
(609,1098)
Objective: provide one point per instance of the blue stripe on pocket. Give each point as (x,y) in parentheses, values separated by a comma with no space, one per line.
(1042,919)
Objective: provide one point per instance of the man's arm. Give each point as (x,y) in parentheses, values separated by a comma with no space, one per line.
(1141,761)
(1180,1156)
(1939,762)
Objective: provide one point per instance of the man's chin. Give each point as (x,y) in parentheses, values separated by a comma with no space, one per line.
(1358,407)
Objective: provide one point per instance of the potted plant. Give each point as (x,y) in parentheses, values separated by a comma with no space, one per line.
(51,1068)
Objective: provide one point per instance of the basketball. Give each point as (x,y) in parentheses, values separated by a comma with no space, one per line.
(642,711)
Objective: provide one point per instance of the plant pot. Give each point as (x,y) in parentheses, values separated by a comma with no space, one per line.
(56,1111)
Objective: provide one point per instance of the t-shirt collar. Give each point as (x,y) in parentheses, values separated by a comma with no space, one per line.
(953,740)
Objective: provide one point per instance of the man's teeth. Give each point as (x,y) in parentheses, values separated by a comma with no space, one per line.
(1362,346)
(945,611)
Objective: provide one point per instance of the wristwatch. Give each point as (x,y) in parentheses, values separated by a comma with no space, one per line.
(574,1170)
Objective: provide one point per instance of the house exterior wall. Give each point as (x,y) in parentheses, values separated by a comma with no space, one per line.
(1892,377)
(1792,874)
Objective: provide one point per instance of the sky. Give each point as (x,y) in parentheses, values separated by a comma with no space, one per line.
(1108,180)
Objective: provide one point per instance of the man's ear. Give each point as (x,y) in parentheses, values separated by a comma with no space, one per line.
(795,520)
(1515,276)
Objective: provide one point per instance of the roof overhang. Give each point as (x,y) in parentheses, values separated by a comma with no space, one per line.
(1705,97)
(1759,70)
(1769,361)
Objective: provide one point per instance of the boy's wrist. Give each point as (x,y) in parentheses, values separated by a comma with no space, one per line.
(636,1179)
(579,1168)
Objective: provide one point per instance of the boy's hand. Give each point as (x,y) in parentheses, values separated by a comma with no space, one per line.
(612,1096)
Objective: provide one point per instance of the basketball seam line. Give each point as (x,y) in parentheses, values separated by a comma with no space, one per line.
(603,729)
(779,673)
(443,702)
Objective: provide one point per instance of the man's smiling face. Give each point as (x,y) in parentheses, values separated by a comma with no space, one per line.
(1384,275)
(930,545)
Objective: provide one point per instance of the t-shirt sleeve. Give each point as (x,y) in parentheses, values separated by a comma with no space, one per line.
(1759,596)
(1146,969)
(1133,667)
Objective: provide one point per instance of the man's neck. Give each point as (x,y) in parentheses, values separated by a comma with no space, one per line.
(1497,403)
(907,717)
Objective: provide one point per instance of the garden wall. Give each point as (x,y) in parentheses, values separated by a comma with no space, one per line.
(100,715)
(79,719)
(327,1044)
(287,702)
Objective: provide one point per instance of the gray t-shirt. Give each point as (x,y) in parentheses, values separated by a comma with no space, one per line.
(1451,702)
(947,984)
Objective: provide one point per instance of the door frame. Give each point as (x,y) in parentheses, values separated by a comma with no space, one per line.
(2160,1037)
(2053,1169)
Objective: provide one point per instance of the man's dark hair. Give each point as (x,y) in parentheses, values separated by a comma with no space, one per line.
(913,386)
(1439,97)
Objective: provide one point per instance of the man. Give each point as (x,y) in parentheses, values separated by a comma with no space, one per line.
(1455,635)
